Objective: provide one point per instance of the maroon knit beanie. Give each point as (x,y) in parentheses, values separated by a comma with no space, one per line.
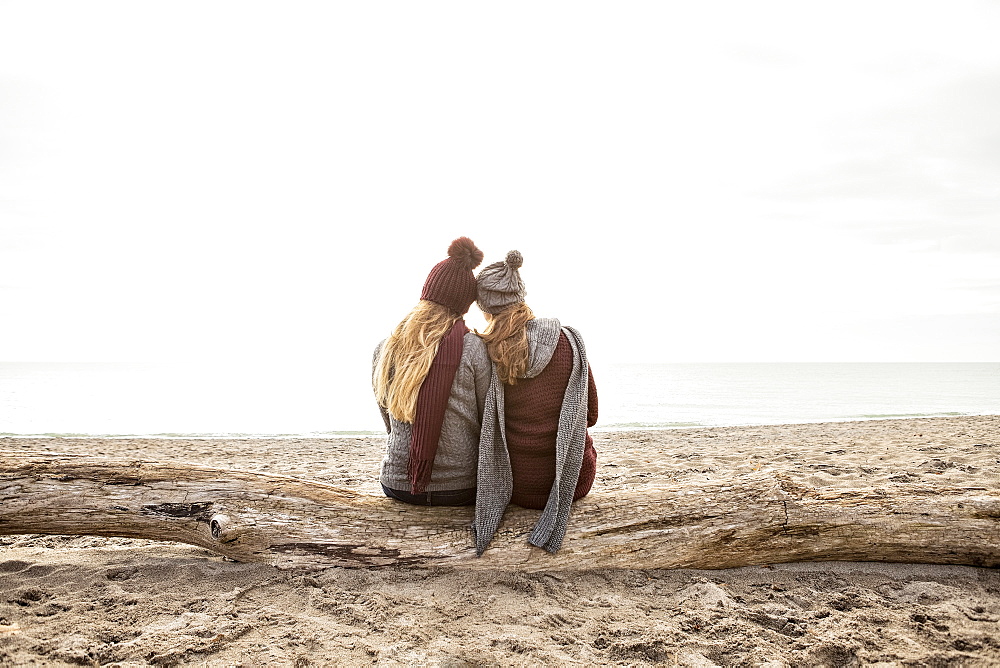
(451,282)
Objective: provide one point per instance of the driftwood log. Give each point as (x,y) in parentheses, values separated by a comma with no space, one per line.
(753,519)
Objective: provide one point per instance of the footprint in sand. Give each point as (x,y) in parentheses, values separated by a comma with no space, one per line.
(13,566)
(121,574)
(29,597)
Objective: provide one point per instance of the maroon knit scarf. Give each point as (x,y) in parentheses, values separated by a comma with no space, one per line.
(431,403)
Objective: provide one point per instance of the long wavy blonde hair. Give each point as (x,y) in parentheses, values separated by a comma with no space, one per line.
(507,341)
(406,357)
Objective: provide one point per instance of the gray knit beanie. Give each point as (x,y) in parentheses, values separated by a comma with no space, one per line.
(499,285)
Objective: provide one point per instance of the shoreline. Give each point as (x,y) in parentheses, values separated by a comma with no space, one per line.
(599,429)
(85,599)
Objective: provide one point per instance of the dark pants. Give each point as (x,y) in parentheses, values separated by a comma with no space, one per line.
(448,497)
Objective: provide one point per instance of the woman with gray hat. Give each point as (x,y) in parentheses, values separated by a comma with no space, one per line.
(431,377)
(534,448)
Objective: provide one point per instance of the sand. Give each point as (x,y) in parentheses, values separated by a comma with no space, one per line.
(90,601)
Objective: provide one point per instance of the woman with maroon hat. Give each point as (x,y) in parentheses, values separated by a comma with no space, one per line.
(430,379)
(534,448)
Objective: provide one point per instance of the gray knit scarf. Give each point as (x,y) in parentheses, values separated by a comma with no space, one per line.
(495,481)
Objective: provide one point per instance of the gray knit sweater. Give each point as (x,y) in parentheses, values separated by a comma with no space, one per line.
(458,448)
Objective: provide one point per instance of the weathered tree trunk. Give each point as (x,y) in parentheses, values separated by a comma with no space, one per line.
(746,520)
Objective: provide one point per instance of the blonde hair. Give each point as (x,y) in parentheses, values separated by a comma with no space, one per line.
(406,357)
(507,341)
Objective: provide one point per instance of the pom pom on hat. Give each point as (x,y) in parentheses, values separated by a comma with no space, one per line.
(464,251)
(514,259)
(451,282)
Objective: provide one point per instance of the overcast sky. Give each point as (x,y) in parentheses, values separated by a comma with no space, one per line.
(717,181)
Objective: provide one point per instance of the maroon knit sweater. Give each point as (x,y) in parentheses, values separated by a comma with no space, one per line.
(532,419)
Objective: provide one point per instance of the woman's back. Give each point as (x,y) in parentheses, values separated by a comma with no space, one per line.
(532,409)
(457,450)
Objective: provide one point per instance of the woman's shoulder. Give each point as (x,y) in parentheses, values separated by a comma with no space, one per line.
(569,329)
(473,342)
(473,348)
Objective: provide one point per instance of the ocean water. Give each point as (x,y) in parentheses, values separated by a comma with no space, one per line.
(676,395)
(297,400)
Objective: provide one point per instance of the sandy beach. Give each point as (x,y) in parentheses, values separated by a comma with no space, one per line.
(110,601)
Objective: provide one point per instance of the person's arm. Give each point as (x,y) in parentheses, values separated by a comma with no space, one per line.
(381,408)
(484,372)
(385,419)
(588,469)
(591,398)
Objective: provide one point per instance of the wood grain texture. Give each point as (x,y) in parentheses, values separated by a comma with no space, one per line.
(747,519)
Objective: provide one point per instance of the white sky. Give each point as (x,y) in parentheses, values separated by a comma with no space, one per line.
(717,181)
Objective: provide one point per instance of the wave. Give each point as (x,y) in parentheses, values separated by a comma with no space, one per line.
(881,416)
(622,426)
